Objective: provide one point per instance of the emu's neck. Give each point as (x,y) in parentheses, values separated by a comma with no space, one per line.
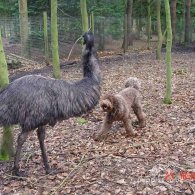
(91,64)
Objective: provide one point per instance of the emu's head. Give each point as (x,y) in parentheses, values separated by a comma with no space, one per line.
(88,39)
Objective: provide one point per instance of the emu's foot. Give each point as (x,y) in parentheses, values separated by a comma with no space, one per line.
(17,173)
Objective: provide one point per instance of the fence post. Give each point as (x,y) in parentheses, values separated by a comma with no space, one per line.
(45,38)
(125,34)
(92,22)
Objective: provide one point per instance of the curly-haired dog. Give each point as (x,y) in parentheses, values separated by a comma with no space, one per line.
(118,108)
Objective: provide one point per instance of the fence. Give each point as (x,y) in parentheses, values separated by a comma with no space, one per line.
(108,34)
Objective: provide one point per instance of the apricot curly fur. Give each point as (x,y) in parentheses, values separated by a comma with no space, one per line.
(118,108)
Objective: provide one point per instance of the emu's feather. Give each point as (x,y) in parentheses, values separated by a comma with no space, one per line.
(34,100)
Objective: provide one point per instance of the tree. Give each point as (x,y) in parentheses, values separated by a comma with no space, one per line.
(92,22)
(149,23)
(128,38)
(125,45)
(84,15)
(160,36)
(6,150)
(129,12)
(100,29)
(167,98)
(46,38)
(54,40)
(24,33)
(173,18)
(187,21)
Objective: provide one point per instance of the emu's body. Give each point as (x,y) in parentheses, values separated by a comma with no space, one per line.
(34,101)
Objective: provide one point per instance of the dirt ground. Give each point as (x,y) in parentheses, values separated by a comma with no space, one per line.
(159,160)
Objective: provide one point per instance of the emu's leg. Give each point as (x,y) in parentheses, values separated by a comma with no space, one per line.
(41,137)
(140,115)
(128,127)
(20,141)
(104,130)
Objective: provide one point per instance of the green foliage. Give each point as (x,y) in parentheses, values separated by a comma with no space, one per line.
(115,28)
(81,121)
(107,7)
(6,145)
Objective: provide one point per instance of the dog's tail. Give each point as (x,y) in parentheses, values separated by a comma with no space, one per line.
(133,82)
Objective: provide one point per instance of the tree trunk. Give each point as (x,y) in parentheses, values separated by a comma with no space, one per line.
(6,150)
(173,18)
(167,98)
(101,45)
(187,21)
(125,47)
(24,33)
(92,22)
(160,36)
(84,15)
(46,38)
(149,24)
(128,24)
(54,40)
(129,12)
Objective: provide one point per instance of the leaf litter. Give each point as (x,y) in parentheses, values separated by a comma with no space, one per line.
(150,163)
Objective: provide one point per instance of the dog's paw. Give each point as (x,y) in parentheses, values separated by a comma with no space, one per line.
(100,137)
(143,124)
(133,134)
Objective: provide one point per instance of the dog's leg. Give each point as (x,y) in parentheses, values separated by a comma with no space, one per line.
(105,129)
(128,127)
(140,114)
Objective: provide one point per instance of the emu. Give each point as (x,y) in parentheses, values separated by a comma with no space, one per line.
(34,101)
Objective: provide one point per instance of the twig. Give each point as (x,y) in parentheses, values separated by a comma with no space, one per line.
(16,177)
(169,186)
(31,182)
(28,157)
(190,143)
(96,157)
(23,58)
(133,156)
(192,186)
(68,63)
(73,47)
(65,13)
(141,144)
(186,167)
(65,179)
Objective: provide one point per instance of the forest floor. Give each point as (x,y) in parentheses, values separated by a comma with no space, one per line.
(159,160)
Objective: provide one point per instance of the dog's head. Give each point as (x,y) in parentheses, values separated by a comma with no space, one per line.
(106,105)
(109,103)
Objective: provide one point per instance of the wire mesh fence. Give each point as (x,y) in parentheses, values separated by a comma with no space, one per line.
(69,30)
(108,34)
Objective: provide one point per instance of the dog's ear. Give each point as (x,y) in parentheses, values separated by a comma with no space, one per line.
(106,105)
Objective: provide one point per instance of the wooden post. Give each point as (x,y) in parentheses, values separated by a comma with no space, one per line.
(54,40)
(125,34)
(46,38)
(6,150)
